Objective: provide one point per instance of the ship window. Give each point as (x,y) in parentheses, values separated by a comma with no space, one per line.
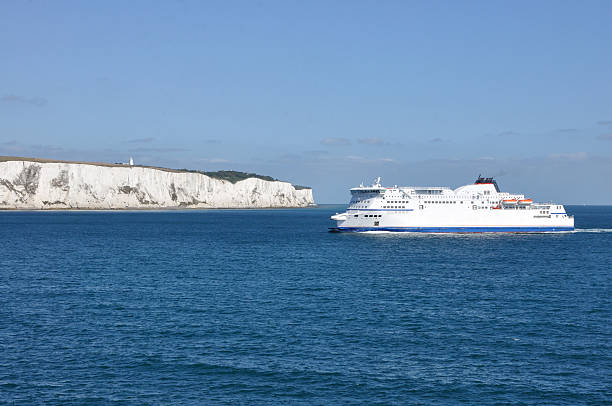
(356,215)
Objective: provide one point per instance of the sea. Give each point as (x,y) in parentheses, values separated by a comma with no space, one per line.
(266,307)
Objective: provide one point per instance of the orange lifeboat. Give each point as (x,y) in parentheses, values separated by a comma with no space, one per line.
(525,201)
(509,201)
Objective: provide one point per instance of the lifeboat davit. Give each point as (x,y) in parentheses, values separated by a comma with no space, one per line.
(525,201)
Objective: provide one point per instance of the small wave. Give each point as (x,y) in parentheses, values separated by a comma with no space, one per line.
(593,230)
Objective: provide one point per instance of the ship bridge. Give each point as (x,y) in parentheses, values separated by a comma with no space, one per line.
(375,188)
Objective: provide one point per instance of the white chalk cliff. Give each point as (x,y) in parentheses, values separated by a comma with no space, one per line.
(41,184)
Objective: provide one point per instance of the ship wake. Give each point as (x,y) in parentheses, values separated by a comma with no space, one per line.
(593,230)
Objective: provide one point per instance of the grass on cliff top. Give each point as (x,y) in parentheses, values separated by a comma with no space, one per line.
(230,176)
(236,176)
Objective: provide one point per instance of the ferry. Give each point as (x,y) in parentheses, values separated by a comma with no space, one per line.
(477,208)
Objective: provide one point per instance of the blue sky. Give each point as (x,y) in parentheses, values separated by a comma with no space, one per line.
(326,94)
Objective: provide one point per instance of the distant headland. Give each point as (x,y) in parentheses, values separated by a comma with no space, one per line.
(36,184)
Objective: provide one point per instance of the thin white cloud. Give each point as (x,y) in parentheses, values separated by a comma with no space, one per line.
(364,160)
(336,141)
(34,101)
(141,140)
(215,160)
(605,137)
(570,156)
(160,149)
(371,141)
(507,134)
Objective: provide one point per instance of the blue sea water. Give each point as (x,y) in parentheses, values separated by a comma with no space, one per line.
(267,307)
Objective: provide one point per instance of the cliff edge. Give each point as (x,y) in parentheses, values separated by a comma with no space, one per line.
(29,183)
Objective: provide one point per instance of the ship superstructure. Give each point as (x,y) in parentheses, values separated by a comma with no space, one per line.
(479,207)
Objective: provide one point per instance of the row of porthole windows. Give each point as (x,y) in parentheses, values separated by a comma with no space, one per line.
(394,207)
(449,202)
(369,215)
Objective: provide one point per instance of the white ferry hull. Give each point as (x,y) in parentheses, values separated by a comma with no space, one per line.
(456,229)
(474,208)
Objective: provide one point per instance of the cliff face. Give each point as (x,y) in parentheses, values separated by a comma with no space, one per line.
(55,185)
